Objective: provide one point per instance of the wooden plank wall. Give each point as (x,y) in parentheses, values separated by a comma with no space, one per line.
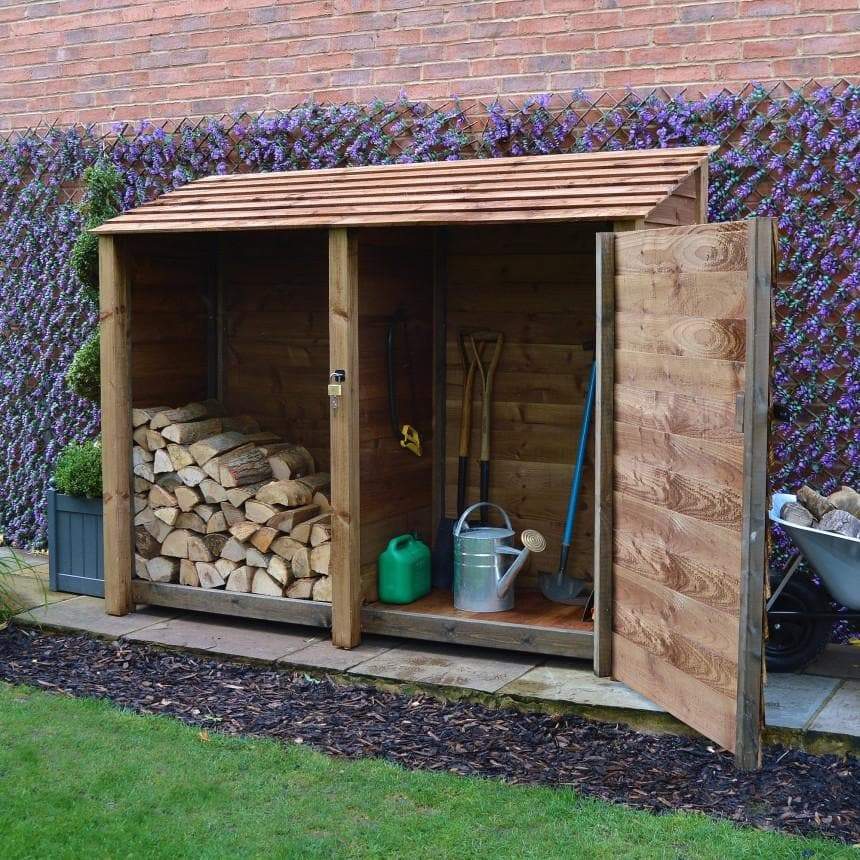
(168,319)
(534,283)
(395,270)
(680,311)
(276,333)
(680,207)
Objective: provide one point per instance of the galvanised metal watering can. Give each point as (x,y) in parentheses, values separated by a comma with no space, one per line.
(485,563)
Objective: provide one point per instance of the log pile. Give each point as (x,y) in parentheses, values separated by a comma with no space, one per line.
(220,503)
(838,513)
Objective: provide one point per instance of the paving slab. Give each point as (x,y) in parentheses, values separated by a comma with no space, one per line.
(87,614)
(841,714)
(228,637)
(27,592)
(791,701)
(575,682)
(449,666)
(323,655)
(837,661)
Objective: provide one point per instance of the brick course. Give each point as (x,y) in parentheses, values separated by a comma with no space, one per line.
(99,61)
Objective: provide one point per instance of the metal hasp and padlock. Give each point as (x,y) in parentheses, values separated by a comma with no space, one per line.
(335,387)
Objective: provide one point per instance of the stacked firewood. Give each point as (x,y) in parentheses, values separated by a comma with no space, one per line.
(219,503)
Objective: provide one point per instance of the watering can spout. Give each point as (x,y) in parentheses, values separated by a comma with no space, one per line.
(533,541)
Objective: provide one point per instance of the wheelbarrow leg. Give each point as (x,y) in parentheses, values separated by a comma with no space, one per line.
(792,569)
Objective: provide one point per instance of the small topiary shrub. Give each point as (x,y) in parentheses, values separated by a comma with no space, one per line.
(83,373)
(79,469)
(102,201)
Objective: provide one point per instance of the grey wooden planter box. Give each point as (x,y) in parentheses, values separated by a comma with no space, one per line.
(75,544)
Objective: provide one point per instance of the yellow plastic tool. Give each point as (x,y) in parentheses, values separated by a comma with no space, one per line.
(411,440)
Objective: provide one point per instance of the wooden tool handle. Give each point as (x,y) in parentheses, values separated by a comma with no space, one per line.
(466,408)
(486,410)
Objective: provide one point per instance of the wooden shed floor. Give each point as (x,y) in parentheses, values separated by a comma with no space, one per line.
(531,608)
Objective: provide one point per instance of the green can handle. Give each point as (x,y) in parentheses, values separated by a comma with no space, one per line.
(400,541)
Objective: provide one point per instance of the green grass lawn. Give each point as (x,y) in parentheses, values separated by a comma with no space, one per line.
(80,778)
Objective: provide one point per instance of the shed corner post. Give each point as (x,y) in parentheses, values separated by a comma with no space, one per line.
(115,369)
(603,453)
(343,347)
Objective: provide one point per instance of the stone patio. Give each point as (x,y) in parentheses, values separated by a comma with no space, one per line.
(824,700)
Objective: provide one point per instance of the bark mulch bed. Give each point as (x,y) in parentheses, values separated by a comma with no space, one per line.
(794,791)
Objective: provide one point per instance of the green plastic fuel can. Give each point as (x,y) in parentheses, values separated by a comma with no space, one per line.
(404,570)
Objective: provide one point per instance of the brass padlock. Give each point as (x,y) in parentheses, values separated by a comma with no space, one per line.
(335,387)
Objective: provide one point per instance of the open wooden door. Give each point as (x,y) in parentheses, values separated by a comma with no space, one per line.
(681,462)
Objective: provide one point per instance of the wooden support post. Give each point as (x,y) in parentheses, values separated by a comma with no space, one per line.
(440,371)
(761,276)
(115,306)
(702,193)
(603,454)
(343,346)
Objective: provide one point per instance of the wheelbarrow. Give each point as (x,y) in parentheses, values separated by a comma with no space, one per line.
(799,613)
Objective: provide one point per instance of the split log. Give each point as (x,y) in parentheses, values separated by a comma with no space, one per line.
(255,558)
(215,543)
(213,467)
(141,485)
(280,570)
(186,434)
(264,584)
(144,516)
(188,573)
(285,547)
(162,462)
(161,498)
(191,522)
(139,504)
(320,556)
(140,455)
(320,533)
(846,499)
(291,461)
(286,521)
(242,424)
(323,500)
(158,529)
(141,416)
(179,456)
(237,496)
(198,551)
(290,494)
(257,512)
(145,471)
(145,544)
(149,440)
(167,515)
(234,550)
(263,437)
(168,482)
(244,530)
(213,446)
(190,412)
(212,491)
(216,524)
(240,579)
(317,483)
(176,544)
(187,498)
(302,532)
(140,570)
(161,569)
(209,575)
(322,589)
(225,566)
(840,523)
(191,476)
(301,563)
(815,503)
(301,589)
(205,511)
(232,515)
(263,537)
(246,467)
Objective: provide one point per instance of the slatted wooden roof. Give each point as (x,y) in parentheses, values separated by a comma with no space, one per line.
(592,186)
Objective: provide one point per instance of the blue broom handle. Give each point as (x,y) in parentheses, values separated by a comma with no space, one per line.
(580,457)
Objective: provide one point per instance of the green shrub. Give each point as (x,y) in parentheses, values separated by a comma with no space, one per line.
(82,376)
(79,469)
(102,201)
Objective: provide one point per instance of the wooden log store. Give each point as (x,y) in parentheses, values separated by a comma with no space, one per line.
(230,305)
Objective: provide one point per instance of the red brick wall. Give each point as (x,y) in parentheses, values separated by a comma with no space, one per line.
(104,60)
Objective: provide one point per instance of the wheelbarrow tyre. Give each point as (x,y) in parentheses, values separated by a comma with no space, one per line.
(793,644)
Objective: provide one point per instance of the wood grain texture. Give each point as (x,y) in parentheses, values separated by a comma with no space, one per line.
(345,474)
(593,186)
(682,492)
(115,371)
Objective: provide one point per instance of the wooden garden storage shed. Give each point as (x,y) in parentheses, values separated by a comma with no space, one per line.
(253,288)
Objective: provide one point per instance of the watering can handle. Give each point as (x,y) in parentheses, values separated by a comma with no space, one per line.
(462,521)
